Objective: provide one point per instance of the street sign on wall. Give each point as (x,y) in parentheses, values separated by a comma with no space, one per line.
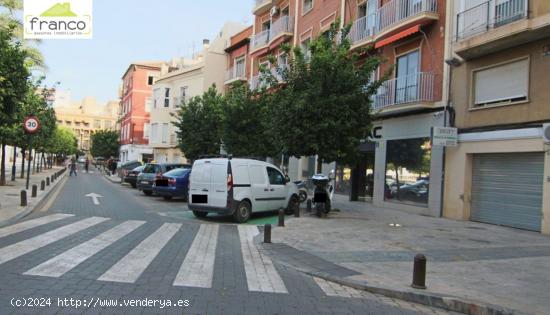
(445,136)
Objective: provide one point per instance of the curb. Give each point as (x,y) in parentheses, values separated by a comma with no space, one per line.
(119,181)
(39,202)
(448,303)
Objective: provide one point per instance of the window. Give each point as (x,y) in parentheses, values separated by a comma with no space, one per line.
(148,104)
(77,123)
(307,5)
(182,97)
(282,60)
(68,123)
(167,97)
(505,83)
(155,97)
(304,46)
(108,124)
(362,10)
(407,70)
(275,177)
(150,80)
(408,164)
(257,175)
(240,67)
(146,131)
(266,26)
(129,105)
(164,133)
(154,132)
(97,124)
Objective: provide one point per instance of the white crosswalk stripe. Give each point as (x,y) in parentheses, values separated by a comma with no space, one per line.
(131,266)
(18,249)
(261,275)
(197,270)
(27,225)
(66,261)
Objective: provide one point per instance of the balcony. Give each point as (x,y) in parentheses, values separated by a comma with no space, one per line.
(261,6)
(284,25)
(392,17)
(178,101)
(259,40)
(497,25)
(237,73)
(405,93)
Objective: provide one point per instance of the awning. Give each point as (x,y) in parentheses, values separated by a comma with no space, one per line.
(398,36)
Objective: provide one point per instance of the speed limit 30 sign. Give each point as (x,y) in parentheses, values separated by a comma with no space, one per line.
(31,124)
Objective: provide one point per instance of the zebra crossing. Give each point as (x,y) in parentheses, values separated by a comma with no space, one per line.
(196,270)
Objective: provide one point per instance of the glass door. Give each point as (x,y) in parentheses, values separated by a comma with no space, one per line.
(406,81)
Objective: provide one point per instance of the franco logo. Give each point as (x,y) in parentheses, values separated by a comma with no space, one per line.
(50,19)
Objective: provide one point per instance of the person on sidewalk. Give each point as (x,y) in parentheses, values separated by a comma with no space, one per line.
(86,164)
(72,167)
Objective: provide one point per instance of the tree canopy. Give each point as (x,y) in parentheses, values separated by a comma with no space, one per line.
(104,143)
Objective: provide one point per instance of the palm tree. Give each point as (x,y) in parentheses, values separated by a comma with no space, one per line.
(9,20)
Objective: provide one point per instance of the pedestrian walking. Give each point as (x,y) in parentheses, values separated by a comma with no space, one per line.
(86,164)
(72,167)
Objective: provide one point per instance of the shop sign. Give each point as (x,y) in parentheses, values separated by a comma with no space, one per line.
(444,136)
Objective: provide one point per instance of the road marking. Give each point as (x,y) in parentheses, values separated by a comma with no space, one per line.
(26,225)
(131,266)
(197,270)
(61,264)
(95,197)
(261,275)
(334,289)
(18,249)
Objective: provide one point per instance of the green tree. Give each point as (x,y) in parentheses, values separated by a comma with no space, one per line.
(198,124)
(104,143)
(324,107)
(245,126)
(63,142)
(13,90)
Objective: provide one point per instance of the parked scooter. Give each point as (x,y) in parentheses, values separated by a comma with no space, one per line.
(302,190)
(322,195)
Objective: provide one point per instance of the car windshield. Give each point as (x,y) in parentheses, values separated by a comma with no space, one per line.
(138,169)
(178,172)
(151,168)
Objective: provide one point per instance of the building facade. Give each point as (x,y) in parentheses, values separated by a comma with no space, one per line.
(500,171)
(182,80)
(238,57)
(135,103)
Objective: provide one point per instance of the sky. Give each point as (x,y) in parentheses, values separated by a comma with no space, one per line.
(134,30)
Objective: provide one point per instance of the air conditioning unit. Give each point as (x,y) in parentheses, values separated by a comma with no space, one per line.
(274,11)
(546,133)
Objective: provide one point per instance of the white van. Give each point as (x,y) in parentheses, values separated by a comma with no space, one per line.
(239,187)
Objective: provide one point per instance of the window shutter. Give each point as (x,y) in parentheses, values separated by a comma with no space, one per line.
(502,83)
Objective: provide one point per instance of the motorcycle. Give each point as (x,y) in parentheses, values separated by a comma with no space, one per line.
(302,190)
(323,193)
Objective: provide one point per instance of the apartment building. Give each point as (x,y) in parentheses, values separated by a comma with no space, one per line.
(500,171)
(238,57)
(134,110)
(179,82)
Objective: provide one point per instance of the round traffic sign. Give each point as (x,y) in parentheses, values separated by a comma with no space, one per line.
(31,124)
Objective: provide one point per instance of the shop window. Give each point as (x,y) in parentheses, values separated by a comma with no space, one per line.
(408,171)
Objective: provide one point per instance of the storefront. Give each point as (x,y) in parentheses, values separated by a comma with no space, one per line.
(407,169)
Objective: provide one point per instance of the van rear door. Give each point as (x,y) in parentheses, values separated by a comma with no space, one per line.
(218,192)
(200,182)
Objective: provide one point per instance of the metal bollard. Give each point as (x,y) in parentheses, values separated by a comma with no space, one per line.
(52,179)
(297,212)
(267,233)
(419,272)
(42,185)
(23,198)
(47,181)
(281,217)
(308,205)
(34,191)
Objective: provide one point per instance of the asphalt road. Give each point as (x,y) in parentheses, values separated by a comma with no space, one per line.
(135,254)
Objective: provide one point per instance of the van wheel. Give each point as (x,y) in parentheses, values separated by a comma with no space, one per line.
(167,197)
(243,211)
(293,205)
(200,214)
(147,192)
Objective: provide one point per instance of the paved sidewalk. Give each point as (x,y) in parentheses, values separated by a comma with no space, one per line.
(10,195)
(474,261)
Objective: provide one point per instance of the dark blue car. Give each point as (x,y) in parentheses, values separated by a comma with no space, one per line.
(174,183)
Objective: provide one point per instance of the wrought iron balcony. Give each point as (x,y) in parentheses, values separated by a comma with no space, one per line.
(413,88)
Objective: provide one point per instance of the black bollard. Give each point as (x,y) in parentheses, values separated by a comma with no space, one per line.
(308,205)
(52,179)
(34,191)
(419,272)
(23,198)
(281,217)
(267,233)
(297,212)
(42,185)
(47,181)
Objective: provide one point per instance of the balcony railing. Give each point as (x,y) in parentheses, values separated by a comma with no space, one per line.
(285,24)
(260,39)
(417,87)
(490,14)
(178,101)
(387,16)
(260,3)
(236,72)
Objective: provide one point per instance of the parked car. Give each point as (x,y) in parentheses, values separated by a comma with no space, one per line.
(239,187)
(174,183)
(124,168)
(415,192)
(147,176)
(131,176)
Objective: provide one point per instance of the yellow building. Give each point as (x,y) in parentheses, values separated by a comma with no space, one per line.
(86,117)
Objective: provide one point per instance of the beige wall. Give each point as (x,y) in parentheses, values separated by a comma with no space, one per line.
(458,174)
(537,107)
